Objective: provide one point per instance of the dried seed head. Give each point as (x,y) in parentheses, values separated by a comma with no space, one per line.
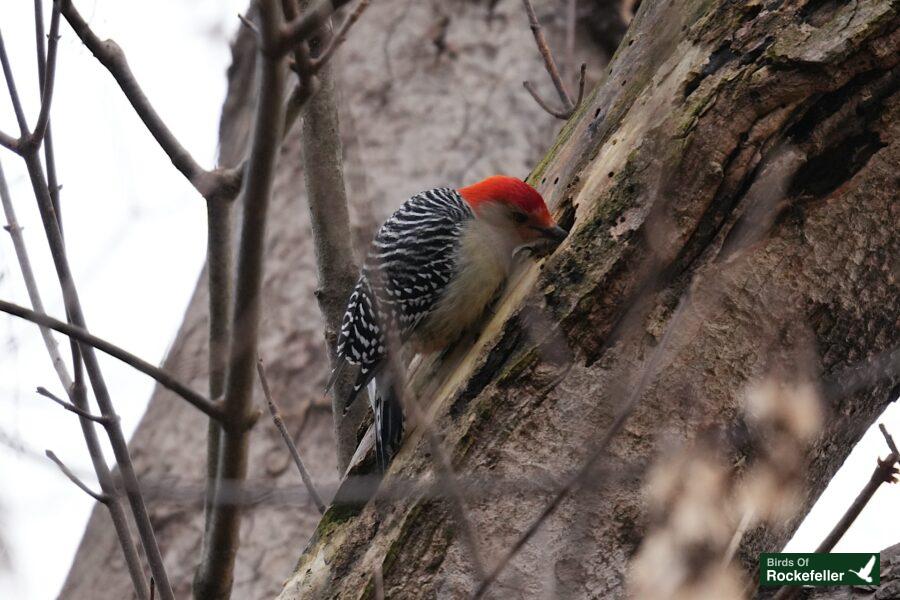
(784,407)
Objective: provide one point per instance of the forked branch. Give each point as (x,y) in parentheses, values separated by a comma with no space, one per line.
(569,107)
(100,420)
(101,498)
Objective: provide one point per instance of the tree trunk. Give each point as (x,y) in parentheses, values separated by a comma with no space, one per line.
(416,112)
(731,189)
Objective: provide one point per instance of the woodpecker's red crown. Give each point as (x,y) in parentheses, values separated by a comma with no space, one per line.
(511,191)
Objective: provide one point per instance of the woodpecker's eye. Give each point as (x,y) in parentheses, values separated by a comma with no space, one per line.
(519,217)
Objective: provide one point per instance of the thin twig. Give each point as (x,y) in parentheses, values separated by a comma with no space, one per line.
(341,36)
(249,24)
(569,107)
(9,142)
(210,184)
(889,441)
(303,27)
(549,63)
(116,436)
(15,232)
(116,508)
(884,472)
(289,442)
(559,114)
(47,80)
(581,76)
(203,404)
(11,88)
(77,395)
(71,407)
(571,22)
(77,392)
(101,498)
(544,49)
(49,154)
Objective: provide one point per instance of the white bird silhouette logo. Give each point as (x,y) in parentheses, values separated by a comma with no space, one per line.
(866,572)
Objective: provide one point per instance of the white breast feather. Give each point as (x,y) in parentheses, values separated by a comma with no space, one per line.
(485,258)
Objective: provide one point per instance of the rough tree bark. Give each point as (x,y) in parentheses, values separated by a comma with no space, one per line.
(431,94)
(739,161)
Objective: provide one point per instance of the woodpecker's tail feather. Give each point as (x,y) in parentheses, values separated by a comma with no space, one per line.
(389,418)
(363,377)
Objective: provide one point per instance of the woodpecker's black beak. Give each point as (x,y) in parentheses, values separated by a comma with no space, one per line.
(555,233)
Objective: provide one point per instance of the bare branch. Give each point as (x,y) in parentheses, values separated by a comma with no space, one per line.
(201,403)
(15,232)
(48,201)
(249,25)
(341,36)
(9,142)
(76,390)
(564,114)
(11,87)
(48,77)
(885,472)
(889,441)
(323,172)
(215,573)
(219,263)
(289,442)
(571,22)
(305,26)
(581,77)
(71,407)
(75,313)
(49,154)
(101,498)
(549,63)
(568,107)
(210,184)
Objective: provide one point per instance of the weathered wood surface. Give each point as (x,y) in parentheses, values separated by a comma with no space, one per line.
(740,161)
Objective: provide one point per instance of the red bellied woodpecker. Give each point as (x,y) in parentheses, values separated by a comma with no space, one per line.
(432,269)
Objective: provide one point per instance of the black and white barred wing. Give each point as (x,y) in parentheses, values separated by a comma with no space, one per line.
(416,251)
(409,265)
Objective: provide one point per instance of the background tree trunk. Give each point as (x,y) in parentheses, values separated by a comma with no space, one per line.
(732,192)
(431,95)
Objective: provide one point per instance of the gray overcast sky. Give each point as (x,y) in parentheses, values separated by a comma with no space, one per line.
(136,235)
